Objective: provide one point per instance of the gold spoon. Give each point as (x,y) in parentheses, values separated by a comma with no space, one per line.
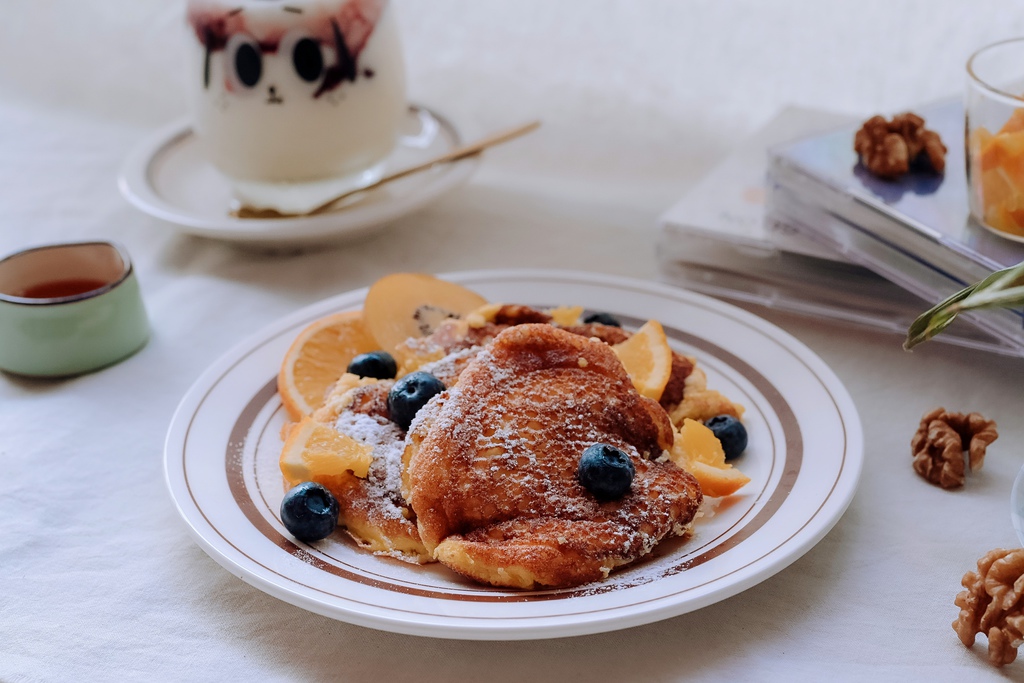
(456,154)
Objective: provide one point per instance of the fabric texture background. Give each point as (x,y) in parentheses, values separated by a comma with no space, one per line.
(99,579)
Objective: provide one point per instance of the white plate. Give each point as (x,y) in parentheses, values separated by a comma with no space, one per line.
(804,457)
(167,177)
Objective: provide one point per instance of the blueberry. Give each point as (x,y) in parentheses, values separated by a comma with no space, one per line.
(731,433)
(309,512)
(603,318)
(410,394)
(605,471)
(376,364)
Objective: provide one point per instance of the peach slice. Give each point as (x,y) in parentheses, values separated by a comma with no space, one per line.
(405,305)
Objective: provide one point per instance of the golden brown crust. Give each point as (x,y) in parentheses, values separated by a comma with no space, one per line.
(372,510)
(492,464)
(675,389)
(372,524)
(372,399)
(700,403)
(453,336)
(609,334)
(517,314)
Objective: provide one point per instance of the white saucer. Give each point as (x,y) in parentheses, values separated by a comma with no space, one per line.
(167,177)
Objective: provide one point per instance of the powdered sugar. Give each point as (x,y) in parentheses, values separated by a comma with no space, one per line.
(506,444)
(384,480)
(451,366)
(452,359)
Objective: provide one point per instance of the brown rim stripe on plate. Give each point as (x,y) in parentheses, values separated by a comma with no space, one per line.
(794,455)
(625,577)
(487,279)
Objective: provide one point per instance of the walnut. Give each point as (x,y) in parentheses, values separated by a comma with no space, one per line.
(889,148)
(992,604)
(934,150)
(938,445)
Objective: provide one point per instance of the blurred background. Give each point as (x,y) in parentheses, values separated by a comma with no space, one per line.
(688,79)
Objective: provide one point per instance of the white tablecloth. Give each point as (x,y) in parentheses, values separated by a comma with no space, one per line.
(99,579)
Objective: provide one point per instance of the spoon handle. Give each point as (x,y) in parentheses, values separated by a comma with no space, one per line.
(453,155)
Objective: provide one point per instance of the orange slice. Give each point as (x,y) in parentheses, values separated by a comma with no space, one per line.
(405,305)
(566,316)
(318,357)
(698,451)
(314,451)
(647,358)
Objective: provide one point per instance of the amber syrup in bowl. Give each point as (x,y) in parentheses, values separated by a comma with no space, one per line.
(62,273)
(61,288)
(69,308)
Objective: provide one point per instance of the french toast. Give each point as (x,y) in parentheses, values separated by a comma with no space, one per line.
(486,478)
(476,330)
(465,334)
(371,508)
(491,464)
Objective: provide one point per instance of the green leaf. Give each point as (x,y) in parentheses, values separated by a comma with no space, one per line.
(1001,289)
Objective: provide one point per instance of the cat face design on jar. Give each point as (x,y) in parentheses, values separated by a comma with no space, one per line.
(288,91)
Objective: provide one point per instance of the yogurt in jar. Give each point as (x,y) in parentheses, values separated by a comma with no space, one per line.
(295,93)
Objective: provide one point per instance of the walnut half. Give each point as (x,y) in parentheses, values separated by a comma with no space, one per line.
(991,604)
(889,148)
(938,445)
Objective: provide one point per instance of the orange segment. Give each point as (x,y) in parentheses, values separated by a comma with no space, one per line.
(314,451)
(1005,150)
(405,305)
(717,482)
(997,174)
(979,140)
(318,357)
(566,316)
(1015,123)
(698,451)
(997,187)
(647,358)
(1002,217)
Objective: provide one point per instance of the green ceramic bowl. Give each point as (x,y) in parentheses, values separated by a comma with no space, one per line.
(69,308)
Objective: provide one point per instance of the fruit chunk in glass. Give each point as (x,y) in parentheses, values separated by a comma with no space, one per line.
(995,136)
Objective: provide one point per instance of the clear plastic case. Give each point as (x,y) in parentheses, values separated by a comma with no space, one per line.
(916,232)
(735,238)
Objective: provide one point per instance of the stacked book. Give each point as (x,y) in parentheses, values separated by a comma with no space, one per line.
(793,221)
